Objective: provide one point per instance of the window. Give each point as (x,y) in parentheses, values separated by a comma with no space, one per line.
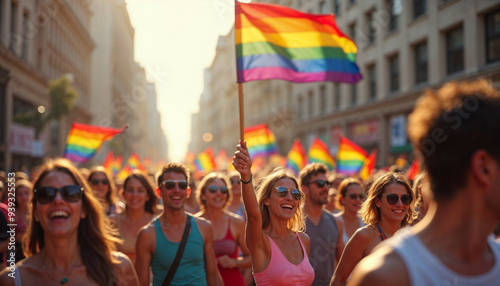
(455,50)
(24,51)
(336,7)
(421,63)
(337,96)
(370,28)
(419,8)
(310,103)
(492,36)
(395,8)
(322,94)
(354,94)
(322,7)
(372,82)
(394,73)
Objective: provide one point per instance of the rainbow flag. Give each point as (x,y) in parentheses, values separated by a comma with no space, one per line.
(350,157)
(84,140)
(133,163)
(296,158)
(108,162)
(368,165)
(414,169)
(189,161)
(205,161)
(318,152)
(276,42)
(260,141)
(117,165)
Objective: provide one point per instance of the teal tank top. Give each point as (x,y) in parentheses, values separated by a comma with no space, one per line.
(191,270)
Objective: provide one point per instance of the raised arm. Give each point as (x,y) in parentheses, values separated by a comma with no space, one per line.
(243,164)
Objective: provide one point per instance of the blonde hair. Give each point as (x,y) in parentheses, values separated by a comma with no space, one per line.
(297,222)
(371,213)
(203,185)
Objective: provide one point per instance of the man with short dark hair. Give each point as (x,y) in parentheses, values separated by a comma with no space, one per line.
(157,243)
(456,130)
(322,227)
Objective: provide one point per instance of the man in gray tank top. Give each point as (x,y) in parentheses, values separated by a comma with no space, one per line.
(322,227)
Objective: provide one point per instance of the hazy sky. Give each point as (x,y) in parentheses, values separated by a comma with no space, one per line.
(175,40)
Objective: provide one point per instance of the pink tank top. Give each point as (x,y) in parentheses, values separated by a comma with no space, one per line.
(280,271)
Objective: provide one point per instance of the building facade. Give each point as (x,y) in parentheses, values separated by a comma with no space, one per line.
(404,47)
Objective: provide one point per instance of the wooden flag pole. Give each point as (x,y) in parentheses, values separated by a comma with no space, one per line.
(242,115)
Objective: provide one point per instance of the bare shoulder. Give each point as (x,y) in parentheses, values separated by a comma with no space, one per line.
(235,218)
(7,277)
(304,237)
(383,267)
(203,224)
(124,261)
(148,231)
(365,233)
(126,270)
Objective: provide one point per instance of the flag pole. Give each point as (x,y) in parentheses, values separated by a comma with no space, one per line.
(242,115)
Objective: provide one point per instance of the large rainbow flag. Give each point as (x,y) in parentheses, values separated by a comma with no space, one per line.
(350,157)
(276,42)
(84,140)
(260,141)
(296,158)
(318,152)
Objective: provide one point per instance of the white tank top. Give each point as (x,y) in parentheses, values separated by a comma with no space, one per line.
(424,268)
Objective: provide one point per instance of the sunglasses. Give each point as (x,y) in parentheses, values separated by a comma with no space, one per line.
(392,199)
(235,182)
(96,181)
(213,189)
(171,184)
(70,194)
(321,183)
(283,192)
(360,196)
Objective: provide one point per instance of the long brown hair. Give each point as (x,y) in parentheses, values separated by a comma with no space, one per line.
(151,204)
(95,235)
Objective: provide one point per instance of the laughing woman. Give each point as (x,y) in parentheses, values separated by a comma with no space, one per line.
(214,197)
(68,239)
(389,207)
(275,225)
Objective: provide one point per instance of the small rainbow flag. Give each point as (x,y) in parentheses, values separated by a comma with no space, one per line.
(318,152)
(108,162)
(260,141)
(368,165)
(296,158)
(350,157)
(117,165)
(132,163)
(84,140)
(414,169)
(276,42)
(205,161)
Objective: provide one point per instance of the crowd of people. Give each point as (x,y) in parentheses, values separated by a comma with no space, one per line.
(81,227)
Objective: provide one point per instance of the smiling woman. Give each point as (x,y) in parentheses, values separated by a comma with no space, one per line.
(65,215)
(275,225)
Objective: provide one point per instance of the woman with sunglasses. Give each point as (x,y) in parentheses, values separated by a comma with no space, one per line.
(389,207)
(140,208)
(68,239)
(105,190)
(275,225)
(213,197)
(349,202)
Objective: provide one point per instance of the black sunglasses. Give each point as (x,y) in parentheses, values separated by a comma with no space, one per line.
(321,183)
(354,196)
(96,181)
(70,193)
(169,184)
(392,199)
(213,189)
(283,192)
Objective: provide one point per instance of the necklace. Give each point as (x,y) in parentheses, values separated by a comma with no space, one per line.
(64,280)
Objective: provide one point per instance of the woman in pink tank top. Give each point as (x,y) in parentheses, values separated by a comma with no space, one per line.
(275,225)
(213,197)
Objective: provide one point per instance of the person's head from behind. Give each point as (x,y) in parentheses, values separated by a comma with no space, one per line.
(279,195)
(63,203)
(138,193)
(173,181)
(351,195)
(103,184)
(213,192)
(454,129)
(391,198)
(314,183)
